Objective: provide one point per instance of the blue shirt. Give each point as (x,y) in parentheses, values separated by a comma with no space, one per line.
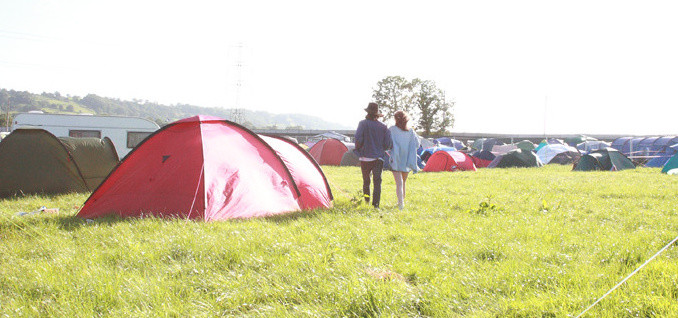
(372,139)
(404,154)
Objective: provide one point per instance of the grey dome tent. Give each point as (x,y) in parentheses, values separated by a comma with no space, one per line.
(36,162)
(350,159)
(516,158)
(486,144)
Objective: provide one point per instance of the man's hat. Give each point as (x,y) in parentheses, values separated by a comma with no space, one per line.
(373,109)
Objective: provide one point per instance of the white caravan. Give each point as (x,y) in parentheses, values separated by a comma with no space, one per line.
(125,132)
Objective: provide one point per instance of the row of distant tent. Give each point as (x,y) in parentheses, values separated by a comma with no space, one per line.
(586,154)
(648,151)
(211,169)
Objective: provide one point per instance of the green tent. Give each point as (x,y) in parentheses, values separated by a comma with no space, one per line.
(575,140)
(604,159)
(526,145)
(671,166)
(350,159)
(516,158)
(35,161)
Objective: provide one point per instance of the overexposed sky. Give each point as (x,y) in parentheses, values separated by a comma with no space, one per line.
(510,66)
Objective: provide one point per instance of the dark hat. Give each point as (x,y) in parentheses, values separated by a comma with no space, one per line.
(373,109)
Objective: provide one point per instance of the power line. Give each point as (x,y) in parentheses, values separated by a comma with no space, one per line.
(237,113)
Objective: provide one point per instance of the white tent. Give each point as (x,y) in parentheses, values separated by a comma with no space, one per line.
(548,152)
(503,149)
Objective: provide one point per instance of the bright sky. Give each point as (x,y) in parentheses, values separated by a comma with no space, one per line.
(510,66)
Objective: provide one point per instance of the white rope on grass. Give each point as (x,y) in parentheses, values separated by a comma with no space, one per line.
(627,277)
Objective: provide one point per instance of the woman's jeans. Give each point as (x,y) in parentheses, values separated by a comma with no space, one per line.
(374,167)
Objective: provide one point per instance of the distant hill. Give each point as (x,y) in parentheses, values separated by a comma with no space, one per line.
(22,101)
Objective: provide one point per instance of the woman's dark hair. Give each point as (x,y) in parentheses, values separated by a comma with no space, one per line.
(401,119)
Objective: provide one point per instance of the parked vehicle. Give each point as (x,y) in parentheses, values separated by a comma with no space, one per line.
(125,132)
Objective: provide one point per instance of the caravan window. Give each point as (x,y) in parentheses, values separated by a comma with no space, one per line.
(84,133)
(134,138)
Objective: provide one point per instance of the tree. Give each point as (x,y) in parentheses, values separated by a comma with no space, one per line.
(430,112)
(4,97)
(5,107)
(393,93)
(434,110)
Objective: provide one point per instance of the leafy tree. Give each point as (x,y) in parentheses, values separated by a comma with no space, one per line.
(430,112)
(4,99)
(5,106)
(393,93)
(23,98)
(434,111)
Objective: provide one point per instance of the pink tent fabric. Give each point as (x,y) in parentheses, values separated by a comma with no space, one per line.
(309,177)
(207,168)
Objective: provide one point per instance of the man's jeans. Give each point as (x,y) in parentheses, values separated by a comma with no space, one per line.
(374,167)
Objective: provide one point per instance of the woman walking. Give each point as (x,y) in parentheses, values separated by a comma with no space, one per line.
(372,139)
(404,154)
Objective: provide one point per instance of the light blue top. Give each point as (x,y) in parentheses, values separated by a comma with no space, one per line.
(404,153)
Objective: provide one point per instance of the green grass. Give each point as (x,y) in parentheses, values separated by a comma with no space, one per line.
(543,242)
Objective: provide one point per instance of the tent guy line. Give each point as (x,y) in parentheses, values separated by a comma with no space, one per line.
(629,276)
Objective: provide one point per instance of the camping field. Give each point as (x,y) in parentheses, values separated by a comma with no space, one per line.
(520,242)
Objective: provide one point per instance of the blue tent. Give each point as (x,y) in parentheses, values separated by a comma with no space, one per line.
(486,143)
(484,154)
(622,145)
(661,159)
(426,153)
(588,146)
(664,142)
(449,142)
(657,149)
(638,145)
(629,146)
(554,141)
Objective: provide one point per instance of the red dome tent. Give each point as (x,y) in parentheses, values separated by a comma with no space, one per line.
(310,179)
(449,161)
(212,169)
(328,151)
